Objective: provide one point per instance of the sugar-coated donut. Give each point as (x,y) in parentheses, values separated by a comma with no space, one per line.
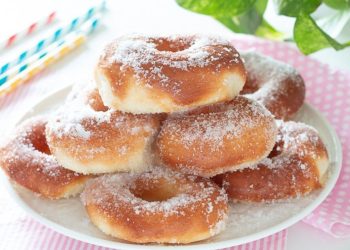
(276,85)
(297,166)
(214,139)
(89,138)
(26,159)
(140,74)
(159,206)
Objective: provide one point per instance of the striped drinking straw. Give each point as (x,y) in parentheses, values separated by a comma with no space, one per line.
(28,30)
(70,42)
(54,37)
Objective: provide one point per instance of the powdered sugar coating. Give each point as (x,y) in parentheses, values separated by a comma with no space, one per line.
(228,121)
(20,147)
(295,135)
(182,53)
(119,186)
(290,140)
(78,113)
(214,139)
(297,166)
(26,159)
(276,85)
(167,74)
(118,196)
(68,119)
(87,137)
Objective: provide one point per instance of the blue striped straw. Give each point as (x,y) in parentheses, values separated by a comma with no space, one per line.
(55,36)
(86,28)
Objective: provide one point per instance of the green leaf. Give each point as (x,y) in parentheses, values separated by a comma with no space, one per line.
(338,4)
(217,8)
(310,38)
(247,17)
(251,22)
(294,7)
(260,6)
(246,23)
(267,31)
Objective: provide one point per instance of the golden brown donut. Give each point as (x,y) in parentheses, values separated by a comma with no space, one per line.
(159,206)
(89,138)
(26,159)
(276,85)
(297,166)
(214,139)
(140,74)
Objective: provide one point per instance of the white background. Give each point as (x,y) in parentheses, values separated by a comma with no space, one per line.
(150,16)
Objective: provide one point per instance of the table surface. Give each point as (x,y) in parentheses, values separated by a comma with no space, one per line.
(154,17)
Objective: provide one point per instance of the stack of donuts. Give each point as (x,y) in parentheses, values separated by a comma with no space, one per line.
(170,132)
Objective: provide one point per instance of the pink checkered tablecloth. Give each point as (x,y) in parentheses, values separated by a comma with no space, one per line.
(326,90)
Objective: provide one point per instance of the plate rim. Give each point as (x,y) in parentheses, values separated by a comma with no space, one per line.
(208,245)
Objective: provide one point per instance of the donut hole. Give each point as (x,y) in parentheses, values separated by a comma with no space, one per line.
(277,149)
(96,102)
(156,190)
(250,86)
(171,45)
(39,141)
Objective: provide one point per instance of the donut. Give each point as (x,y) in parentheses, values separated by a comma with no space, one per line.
(87,137)
(214,139)
(139,74)
(297,165)
(158,206)
(27,161)
(276,85)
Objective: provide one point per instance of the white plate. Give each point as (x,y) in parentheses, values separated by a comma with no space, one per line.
(248,222)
